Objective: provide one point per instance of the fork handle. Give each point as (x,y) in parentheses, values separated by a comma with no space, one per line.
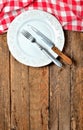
(63,56)
(50,56)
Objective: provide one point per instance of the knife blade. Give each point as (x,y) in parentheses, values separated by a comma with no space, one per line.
(52,46)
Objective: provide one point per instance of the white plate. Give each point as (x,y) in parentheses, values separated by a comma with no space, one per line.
(21,48)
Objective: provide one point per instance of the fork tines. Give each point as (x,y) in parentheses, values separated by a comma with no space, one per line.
(26,34)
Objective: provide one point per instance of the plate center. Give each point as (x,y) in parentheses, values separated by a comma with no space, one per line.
(25,44)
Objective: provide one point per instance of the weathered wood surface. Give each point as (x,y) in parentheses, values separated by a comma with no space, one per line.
(4,85)
(66,88)
(46,98)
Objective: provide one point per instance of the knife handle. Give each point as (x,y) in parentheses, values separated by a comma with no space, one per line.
(63,56)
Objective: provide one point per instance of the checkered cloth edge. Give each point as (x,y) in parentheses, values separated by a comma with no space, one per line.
(68,12)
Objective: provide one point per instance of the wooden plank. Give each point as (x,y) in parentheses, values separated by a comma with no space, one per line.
(60,99)
(77,82)
(4,85)
(60,93)
(38,81)
(20,105)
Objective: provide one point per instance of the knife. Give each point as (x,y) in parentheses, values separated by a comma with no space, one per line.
(52,46)
(44,50)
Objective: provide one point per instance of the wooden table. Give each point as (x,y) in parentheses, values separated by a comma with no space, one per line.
(46,98)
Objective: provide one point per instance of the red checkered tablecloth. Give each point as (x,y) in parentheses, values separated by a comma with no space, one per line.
(68,12)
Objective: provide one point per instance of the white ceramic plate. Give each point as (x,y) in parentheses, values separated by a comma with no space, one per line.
(22,49)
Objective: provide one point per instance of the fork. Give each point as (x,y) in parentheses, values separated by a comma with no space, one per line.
(44,50)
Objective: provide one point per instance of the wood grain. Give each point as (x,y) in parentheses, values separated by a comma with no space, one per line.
(71,80)
(60,102)
(29,92)
(39,91)
(45,98)
(4,85)
(20,105)
(77,82)
(60,95)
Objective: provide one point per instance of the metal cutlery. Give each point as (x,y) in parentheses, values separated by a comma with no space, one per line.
(52,46)
(44,50)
